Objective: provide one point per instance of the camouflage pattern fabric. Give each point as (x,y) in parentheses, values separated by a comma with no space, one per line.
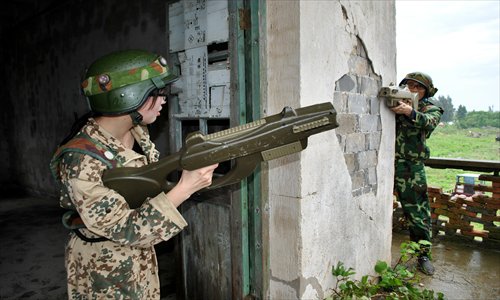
(125,267)
(95,85)
(411,189)
(410,183)
(411,134)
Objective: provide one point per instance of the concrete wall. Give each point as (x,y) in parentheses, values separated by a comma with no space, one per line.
(333,201)
(44,59)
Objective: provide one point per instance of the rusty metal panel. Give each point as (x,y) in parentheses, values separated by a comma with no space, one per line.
(210,246)
(199,35)
(206,249)
(203,89)
(197,23)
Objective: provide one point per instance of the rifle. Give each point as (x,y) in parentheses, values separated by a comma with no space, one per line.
(249,144)
(394,94)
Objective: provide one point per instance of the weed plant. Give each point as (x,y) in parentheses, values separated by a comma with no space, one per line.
(398,282)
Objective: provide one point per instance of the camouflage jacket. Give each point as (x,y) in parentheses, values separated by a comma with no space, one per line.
(412,132)
(125,266)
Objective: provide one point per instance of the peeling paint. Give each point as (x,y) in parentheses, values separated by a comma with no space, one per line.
(340,58)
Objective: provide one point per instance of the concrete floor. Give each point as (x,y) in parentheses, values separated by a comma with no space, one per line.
(32,257)
(463,271)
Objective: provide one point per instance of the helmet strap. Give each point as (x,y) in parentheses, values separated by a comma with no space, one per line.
(136,117)
(158,82)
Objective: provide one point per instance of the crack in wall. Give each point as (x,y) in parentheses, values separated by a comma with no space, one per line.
(294,284)
(299,285)
(365,213)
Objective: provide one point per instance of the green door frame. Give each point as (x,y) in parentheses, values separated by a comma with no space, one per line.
(247,43)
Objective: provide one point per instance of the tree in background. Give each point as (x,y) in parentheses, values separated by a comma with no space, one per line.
(479,119)
(446,104)
(461,113)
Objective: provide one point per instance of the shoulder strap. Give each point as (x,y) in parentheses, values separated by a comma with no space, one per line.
(83,143)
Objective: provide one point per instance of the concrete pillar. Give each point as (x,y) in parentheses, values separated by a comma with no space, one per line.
(333,201)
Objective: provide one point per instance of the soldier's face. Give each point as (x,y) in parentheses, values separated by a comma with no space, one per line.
(416,87)
(151,108)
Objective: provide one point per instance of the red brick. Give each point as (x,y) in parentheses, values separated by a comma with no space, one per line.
(480,198)
(493,200)
(485,188)
(461,227)
(470,213)
(433,189)
(458,204)
(490,218)
(459,224)
(480,233)
(492,206)
(441,211)
(474,204)
(457,211)
(438,205)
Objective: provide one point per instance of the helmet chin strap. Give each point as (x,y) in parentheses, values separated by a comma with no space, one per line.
(136,117)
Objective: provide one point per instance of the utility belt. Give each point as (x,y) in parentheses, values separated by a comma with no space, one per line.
(72,220)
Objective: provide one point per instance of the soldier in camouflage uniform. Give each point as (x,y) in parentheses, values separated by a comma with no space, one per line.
(110,251)
(413,127)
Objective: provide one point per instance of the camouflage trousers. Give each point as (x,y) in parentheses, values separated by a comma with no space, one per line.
(410,185)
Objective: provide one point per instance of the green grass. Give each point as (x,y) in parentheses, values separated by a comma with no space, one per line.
(451,142)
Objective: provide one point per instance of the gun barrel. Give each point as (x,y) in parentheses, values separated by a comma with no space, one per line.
(276,131)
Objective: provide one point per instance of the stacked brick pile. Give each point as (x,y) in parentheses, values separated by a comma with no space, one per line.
(452,214)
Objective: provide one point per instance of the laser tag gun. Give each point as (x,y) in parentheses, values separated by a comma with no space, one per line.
(247,145)
(393,94)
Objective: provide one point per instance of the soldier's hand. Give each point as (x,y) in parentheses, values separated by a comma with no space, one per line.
(402,109)
(197,179)
(191,182)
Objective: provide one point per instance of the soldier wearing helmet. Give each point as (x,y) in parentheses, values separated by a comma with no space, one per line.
(413,128)
(110,251)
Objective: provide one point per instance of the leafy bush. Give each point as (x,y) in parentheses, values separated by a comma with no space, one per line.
(398,282)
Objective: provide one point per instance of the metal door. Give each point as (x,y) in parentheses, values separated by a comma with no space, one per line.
(210,47)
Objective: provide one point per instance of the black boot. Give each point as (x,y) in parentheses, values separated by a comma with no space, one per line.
(425,265)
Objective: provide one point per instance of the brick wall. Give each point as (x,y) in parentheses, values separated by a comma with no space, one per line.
(452,215)
(355,99)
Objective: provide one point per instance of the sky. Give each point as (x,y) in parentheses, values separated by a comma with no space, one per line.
(457,43)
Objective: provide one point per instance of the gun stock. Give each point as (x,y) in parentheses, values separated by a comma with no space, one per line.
(247,145)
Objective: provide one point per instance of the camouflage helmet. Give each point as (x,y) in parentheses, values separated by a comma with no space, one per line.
(424,80)
(120,82)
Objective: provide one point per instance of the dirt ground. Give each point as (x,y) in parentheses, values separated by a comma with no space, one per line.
(32,251)
(32,258)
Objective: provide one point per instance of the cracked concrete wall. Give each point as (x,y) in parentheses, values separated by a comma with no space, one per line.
(333,201)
